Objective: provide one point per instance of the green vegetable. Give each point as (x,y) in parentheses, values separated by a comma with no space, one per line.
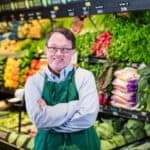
(135,124)
(107,145)
(105,130)
(119,140)
(147,128)
(12,137)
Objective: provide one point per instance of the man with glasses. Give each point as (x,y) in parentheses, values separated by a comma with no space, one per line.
(62,100)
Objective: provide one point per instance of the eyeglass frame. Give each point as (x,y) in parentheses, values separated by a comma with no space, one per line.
(55,49)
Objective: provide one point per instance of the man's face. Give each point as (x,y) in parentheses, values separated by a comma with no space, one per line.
(59,51)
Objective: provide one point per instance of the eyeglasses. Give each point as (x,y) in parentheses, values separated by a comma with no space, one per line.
(55,49)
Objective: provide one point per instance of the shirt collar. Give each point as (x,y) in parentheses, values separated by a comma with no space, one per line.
(63,74)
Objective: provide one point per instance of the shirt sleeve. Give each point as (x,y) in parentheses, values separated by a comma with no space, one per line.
(48,116)
(88,106)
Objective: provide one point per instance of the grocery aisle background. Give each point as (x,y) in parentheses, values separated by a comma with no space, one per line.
(114,46)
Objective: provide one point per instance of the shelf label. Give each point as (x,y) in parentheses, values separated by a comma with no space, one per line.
(53,14)
(85,10)
(143,113)
(134,116)
(99,9)
(21,17)
(38,15)
(71,12)
(123,6)
(30,15)
(115,113)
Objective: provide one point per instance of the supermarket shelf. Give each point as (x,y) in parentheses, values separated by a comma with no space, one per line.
(6,146)
(133,114)
(7,91)
(133,144)
(92,59)
(76,8)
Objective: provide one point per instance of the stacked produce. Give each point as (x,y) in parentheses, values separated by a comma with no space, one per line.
(143,89)
(84,43)
(36,65)
(105,80)
(34,29)
(8,46)
(130,38)
(124,92)
(33,50)
(2,66)
(116,132)
(11,73)
(9,128)
(101,44)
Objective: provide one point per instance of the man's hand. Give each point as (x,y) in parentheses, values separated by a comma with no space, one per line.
(42,102)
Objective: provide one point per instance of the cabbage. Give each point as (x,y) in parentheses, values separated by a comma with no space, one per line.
(105,130)
(12,137)
(134,124)
(107,145)
(119,140)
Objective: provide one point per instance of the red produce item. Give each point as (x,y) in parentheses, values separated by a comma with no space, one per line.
(101,44)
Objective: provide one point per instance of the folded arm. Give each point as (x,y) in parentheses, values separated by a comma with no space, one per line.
(42,115)
(88,108)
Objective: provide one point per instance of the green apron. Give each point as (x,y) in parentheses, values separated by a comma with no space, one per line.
(63,92)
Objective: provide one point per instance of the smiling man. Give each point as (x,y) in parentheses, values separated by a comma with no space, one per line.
(62,100)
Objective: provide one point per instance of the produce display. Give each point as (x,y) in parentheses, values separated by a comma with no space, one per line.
(101,44)
(124,91)
(143,89)
(36,65)
(11,73)
(33,29)
(130,38)
(84,43)
(117,132)
(8,46)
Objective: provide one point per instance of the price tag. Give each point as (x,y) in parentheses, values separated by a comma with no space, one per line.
(86,7)
(31,15)
(70,12)
(143,113)
(99,9)
(85,10)
(53,14)
(134,116)
(38,15)
(21,17)
(115,113)
(123,6)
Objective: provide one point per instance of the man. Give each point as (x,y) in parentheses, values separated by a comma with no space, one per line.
(62,100)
